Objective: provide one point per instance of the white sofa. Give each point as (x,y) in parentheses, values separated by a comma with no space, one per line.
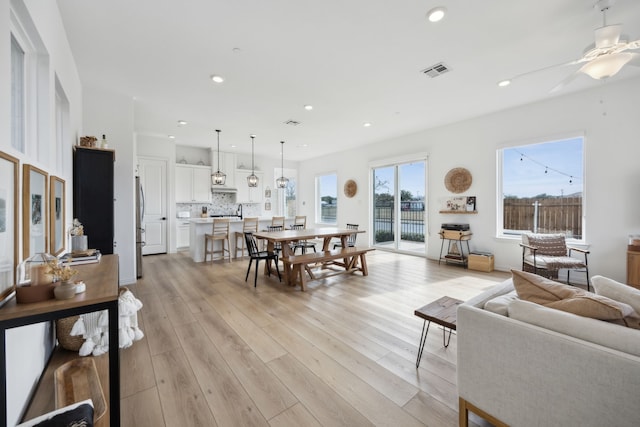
(522,373)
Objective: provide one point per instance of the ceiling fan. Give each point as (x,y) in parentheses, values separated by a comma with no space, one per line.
(602,59)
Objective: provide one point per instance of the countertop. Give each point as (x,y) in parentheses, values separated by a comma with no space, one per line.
(233,219)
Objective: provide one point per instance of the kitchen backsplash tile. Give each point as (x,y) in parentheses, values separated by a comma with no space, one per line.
(222,205)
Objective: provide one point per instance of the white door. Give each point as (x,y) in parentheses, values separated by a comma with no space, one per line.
(153,178)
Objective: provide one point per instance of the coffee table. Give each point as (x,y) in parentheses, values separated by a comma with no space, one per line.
(442,312)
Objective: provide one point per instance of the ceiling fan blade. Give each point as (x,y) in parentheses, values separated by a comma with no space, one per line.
(635,59)
(565,82)
(608,36)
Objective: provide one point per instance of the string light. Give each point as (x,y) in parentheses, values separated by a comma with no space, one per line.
(548,168)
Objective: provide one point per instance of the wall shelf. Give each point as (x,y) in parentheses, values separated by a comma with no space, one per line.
(459,212)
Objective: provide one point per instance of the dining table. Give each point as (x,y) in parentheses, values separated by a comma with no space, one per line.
(288,236)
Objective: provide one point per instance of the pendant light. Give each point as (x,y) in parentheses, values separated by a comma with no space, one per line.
(218,178)
(282,181)
(252,180)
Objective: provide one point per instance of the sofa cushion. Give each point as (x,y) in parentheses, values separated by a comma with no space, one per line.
(618,291)
(500,304)
(537,289)
(603,333)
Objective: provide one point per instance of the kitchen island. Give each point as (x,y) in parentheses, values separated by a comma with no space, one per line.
(198,227)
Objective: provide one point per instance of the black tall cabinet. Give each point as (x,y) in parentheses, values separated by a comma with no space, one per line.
(93,195)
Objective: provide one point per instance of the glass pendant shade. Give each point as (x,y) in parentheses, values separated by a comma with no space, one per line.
(282,181)
(218,178)
(252,180)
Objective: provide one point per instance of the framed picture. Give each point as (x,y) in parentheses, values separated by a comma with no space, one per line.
(56,215)
(34,210)
(9,178)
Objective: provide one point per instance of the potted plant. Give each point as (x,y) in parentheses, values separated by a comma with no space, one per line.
(79,241)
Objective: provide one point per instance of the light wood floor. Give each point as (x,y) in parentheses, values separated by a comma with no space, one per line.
(219,352)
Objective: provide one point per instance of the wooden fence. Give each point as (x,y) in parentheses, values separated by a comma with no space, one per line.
(551,215)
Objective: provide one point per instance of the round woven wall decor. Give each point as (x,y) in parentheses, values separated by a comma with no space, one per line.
(350,188)
(458,180)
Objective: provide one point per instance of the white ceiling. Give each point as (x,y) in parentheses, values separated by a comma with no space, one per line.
(355,61)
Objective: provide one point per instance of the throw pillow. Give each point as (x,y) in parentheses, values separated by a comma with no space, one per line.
(500,304)
(548,244)
(618,291)
(534,288)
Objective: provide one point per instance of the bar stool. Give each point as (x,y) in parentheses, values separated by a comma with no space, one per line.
(220,232)
(249,225)
(277,221)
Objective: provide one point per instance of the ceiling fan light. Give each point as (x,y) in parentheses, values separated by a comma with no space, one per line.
(436,14)
(606,66)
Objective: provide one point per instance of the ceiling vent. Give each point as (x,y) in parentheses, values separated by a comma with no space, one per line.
(436,70)
(292,123)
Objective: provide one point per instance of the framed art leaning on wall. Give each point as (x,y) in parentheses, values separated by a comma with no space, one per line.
(9,177)
(56,215)
(34,210)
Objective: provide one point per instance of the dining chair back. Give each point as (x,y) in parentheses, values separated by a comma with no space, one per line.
(277,246)
(257,255)
(249,224)
(302,244)
(219,233)
(351,239)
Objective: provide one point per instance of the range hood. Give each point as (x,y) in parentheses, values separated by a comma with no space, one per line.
(223,189)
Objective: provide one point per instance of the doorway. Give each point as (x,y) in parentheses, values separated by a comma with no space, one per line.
(399,208)
(153,179)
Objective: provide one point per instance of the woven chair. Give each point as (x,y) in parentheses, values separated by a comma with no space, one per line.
(255,254)
(351,240)
(546,254)
(248,225)
(219,233)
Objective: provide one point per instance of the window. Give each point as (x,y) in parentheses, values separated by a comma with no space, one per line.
(17,95)
(542,188)
(327,199)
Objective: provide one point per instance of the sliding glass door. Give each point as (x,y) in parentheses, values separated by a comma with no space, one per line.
(399,206)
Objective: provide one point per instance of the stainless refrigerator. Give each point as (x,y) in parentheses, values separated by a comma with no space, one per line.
(139,230)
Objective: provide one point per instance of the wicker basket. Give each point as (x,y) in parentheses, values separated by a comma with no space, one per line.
(63,329)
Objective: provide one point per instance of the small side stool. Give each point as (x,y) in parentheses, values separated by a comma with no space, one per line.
(443,312)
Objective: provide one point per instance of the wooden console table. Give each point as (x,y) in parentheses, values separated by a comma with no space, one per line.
(101,280)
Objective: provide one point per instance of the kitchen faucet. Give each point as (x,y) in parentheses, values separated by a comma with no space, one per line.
(239,211)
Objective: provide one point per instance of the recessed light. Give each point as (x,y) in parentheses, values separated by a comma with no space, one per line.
(216,78)
(172,137)
(308,107)
(181,123)
(367,124)
(504,83)
(436,14)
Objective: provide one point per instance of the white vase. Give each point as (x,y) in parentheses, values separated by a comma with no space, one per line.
(79,243)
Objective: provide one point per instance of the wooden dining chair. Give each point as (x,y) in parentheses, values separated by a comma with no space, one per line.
(351,240)
(219,233)
(255,254)
(248,225)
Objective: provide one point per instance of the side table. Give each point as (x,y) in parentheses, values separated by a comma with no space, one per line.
(443,312)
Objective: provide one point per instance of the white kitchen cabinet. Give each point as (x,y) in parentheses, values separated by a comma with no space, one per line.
(182,234)
(245,193)
(193,184)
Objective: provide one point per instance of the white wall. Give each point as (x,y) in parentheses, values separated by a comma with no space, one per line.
(27,348)
(607,115)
